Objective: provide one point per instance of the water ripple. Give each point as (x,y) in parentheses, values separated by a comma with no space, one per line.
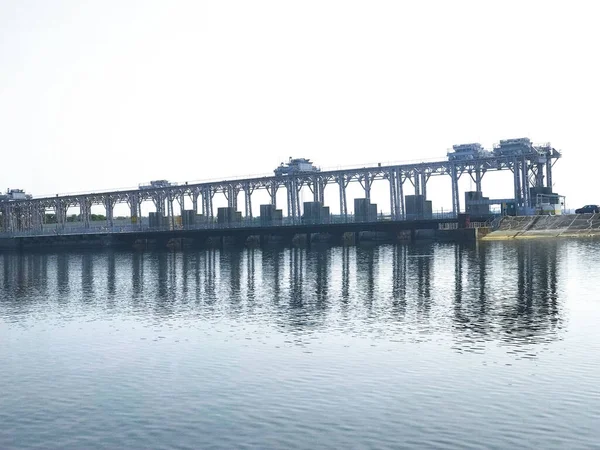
(425,346)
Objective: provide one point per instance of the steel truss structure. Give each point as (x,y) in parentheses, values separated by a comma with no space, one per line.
(533,169)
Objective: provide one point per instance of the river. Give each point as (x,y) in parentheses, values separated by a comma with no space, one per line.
(442,346)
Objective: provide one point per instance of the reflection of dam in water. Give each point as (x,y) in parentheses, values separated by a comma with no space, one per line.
(496,292)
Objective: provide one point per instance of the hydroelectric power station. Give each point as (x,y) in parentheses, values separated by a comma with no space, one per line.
(30,219)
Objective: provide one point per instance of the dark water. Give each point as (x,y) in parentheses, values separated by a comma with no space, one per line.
(434,346)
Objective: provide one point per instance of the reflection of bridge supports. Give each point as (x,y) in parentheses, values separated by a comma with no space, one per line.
(296,274)
(345,273)
(399,268)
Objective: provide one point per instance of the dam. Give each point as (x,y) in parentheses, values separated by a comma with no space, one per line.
(187,209)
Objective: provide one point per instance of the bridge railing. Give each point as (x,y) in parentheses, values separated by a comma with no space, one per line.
(257,222)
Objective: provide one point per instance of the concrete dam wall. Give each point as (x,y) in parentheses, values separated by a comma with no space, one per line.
(526,227)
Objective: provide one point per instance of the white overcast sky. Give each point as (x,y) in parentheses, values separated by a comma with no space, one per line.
(107,94)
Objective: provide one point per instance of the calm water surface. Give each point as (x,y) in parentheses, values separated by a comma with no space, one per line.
(429,346)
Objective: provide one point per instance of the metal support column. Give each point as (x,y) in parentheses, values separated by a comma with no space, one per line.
(39,225)
(455,191)
(549,172)
(393,194)
(298,199)
(232,196)
(525,182)
(195,195)
(322,185)
(341,180)
(109,205)
(367,186)
(417,182)
(181,202)
(423,182)
(207,202)
(539,175)
(159,204)
(400,179)
(478,177)
(292,202)
(248,200)
(8,218)
(170,212)
(134,208)
(314,187)
(272,190)
(61,213)
(85,210)
(517,182)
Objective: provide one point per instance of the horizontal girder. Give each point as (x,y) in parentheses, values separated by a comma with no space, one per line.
(402,171)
